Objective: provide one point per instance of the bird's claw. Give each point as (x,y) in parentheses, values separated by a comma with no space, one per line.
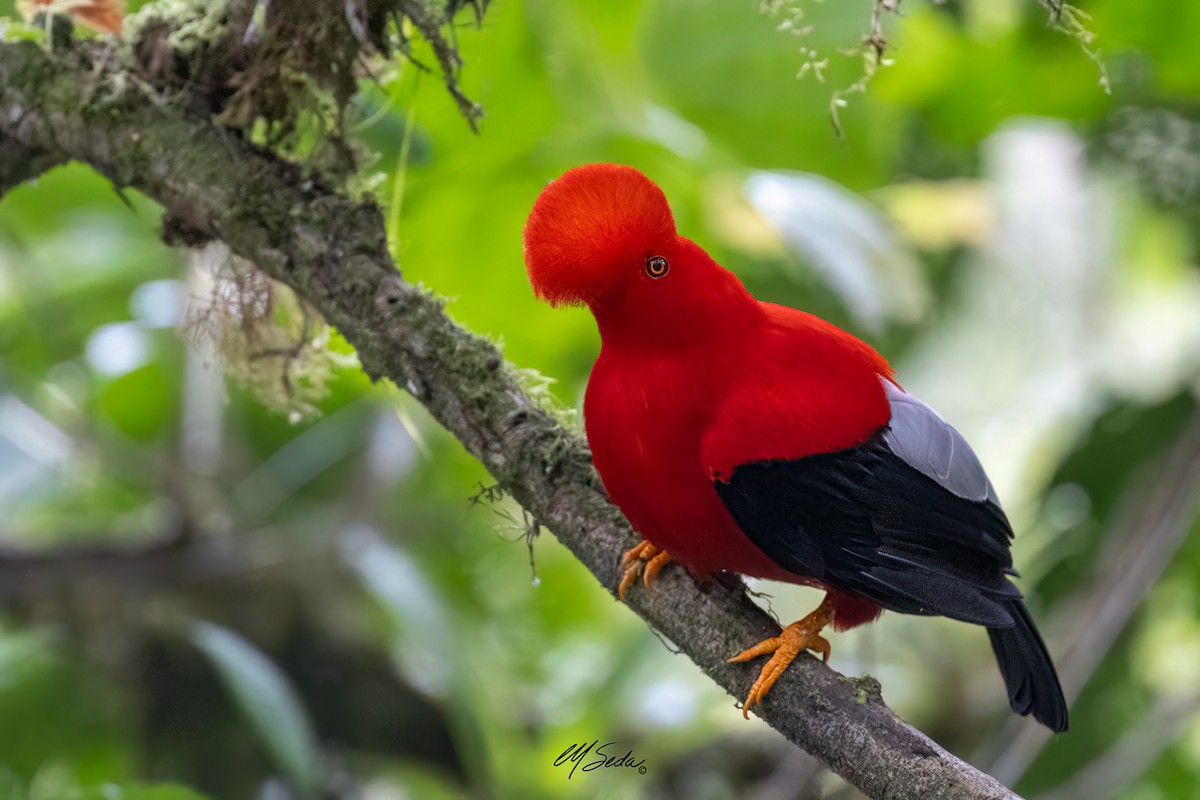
(645,560)
(793,640)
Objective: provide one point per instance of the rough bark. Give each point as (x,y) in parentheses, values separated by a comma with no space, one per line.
(19,163)
(332,250)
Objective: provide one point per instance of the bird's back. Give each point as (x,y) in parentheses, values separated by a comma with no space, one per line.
(807,387)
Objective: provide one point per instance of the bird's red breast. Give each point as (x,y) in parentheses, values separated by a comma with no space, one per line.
(664,424)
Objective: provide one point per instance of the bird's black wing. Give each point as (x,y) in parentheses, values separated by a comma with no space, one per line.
(907,519)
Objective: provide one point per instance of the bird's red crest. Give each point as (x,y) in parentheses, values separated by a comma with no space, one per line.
(588,226)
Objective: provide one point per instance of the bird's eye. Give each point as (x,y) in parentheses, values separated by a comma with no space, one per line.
(657,266)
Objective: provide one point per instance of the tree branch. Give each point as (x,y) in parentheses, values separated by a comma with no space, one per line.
(19,163)
(333,251)
(168,562)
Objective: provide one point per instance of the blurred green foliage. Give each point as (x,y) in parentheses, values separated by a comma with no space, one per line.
(352,564)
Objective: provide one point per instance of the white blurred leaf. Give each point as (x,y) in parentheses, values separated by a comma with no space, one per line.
(848,241)
(263,694)
(424,646)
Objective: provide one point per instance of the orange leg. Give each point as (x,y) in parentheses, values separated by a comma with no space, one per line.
(795,639)
(646,556)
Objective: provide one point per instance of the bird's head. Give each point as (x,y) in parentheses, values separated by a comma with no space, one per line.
(594,231)
(603,235)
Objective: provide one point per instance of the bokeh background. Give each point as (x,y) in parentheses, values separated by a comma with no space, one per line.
(213,586)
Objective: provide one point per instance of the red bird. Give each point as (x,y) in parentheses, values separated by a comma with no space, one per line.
(750,437)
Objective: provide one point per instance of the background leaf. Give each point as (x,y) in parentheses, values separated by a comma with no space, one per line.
(269,703)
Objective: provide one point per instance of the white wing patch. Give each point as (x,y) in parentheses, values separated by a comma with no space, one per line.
(929,444)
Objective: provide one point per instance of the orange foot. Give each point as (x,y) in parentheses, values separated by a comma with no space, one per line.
(795,639)
(647,556)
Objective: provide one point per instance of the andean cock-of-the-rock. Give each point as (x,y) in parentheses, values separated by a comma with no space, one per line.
(743,436)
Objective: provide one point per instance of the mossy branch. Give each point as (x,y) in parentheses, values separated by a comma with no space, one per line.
(332,250)
(19,163)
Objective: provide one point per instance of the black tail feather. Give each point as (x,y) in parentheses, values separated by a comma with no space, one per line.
(1028,671)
